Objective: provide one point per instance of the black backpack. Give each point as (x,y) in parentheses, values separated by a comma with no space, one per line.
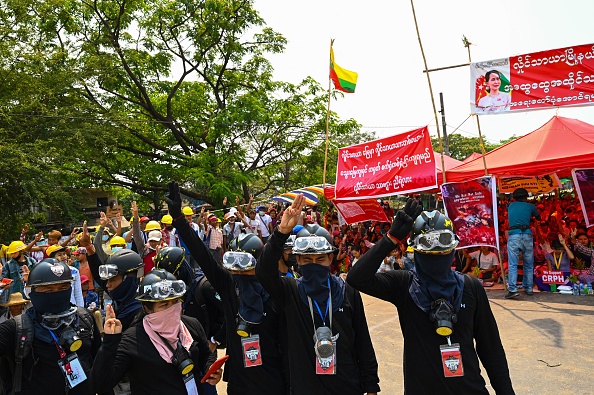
(23,339)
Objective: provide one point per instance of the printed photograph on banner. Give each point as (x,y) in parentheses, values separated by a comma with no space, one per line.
(535,185)
(492,91)
(398,164)
(583,181)
(472,207)
(553,78)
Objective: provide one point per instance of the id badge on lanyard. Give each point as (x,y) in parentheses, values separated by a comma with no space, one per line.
(72,370)
(190,384)
(326,365)
(451,359)
(252,355)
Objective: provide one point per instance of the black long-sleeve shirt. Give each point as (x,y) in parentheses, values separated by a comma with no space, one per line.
(423,369)
(43,376)
(134,354)
(266,379)
(356,365)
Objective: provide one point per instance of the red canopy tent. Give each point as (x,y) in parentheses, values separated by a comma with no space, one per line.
(561,143)
(472,156)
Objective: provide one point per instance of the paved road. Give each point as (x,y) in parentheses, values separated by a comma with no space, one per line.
(548,339)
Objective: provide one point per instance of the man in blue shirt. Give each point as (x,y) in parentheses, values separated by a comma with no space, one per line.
(520,239)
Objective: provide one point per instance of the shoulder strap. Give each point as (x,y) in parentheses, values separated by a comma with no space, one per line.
(198,293)
(24,339)
(86,319)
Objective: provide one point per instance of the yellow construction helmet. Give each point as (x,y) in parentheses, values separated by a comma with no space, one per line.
(152,225)
(117,241)
(53,249)
(187,211)
(167,219)
(15,247)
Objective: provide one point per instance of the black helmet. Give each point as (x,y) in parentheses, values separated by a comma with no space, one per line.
(170,259)
(290,243)
(126,261)
(247,242)
(433,233)
(313,239)
(520,194)
(160,285)
(49,271)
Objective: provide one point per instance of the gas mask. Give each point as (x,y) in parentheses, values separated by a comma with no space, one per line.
(442,313)
(324,342)
(244,328)
(69,339)
(181,360)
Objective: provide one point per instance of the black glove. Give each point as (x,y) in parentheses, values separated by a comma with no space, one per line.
(173,200)
(403,220)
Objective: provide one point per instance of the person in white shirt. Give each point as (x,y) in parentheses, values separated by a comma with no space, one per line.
(265,222)
(487,262)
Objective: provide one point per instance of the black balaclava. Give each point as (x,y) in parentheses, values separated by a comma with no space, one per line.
(314,283)
(433,278)
(124,297)
(252,297)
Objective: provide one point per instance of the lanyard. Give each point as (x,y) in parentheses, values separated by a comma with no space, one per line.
(558,262)
(62,353)
(328,308)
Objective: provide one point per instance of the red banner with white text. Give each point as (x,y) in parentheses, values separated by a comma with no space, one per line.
(393,165)
(554,78)
(472,207)
(360,211)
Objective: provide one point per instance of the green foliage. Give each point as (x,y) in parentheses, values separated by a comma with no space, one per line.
(133,94)
(462,147)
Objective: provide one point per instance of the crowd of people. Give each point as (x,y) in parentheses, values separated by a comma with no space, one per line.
(261,282)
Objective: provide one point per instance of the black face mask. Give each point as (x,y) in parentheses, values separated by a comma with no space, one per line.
(51,302)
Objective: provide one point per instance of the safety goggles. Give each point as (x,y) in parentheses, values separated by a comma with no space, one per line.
(108,271)
(55,321)
(312,245)
(165,289)
(240,261)
(445,239)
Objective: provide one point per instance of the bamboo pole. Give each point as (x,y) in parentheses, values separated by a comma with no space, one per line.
(478,122)
(327,123)
(443,169)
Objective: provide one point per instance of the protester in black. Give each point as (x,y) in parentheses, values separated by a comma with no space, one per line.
(163,352)
(264,376)
(53,321)
(436,307)
(349,366)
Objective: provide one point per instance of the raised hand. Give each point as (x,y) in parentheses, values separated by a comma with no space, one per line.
(103,219)
(174,201)
(112,325)
(291,215)
(134,209)
(225,201)
(403,220)
(85,238)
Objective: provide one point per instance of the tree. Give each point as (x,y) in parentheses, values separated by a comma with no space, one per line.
(462,147)
(135,93)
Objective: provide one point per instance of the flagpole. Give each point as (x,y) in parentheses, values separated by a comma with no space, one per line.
(478,122)
(327,122)
(443,169)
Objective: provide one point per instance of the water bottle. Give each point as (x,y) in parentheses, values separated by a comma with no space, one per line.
(582,289)
(586,289)
(590,290)
(576,289)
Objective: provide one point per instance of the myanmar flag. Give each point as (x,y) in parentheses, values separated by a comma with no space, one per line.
(344,80)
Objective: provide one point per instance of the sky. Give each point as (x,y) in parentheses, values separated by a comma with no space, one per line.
(377,39)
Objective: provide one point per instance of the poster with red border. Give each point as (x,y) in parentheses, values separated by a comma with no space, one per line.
(552,78)
(393,165)
(472,207)
(583,181)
